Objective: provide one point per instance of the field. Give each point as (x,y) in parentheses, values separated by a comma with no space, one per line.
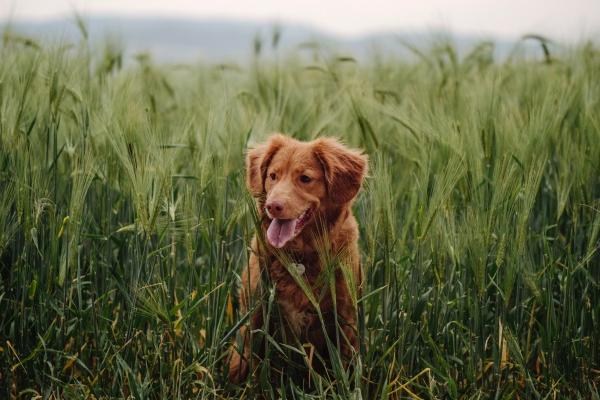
(125,223)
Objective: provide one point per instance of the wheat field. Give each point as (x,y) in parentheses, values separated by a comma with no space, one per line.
(125,222)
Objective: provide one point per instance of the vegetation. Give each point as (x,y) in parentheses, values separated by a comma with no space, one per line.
(125,223)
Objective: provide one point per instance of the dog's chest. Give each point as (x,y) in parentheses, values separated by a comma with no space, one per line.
(293,302)
(298,319)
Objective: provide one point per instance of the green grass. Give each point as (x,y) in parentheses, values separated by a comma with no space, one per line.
(125,224)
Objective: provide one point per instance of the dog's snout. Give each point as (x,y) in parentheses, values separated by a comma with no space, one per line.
(275,208)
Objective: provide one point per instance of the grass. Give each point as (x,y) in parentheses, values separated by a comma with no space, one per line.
(125,223)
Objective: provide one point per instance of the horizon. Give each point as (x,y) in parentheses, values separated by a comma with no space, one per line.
(171,39)
(574,22)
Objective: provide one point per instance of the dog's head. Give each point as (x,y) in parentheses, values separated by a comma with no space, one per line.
(297,180)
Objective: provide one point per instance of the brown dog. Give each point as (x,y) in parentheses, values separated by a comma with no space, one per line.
(304,190)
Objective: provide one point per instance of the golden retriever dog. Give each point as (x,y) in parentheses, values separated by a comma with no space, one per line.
(303,189)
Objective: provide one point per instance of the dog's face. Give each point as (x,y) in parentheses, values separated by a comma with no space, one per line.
(297,180)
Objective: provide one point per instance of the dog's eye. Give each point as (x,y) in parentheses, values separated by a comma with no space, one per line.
(273,176)
(305,178)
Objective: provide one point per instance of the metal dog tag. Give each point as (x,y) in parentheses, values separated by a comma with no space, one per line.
(299,268)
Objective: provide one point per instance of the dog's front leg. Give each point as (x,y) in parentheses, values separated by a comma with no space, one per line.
(346,310)
(241,360)
(240,353)
(239,356)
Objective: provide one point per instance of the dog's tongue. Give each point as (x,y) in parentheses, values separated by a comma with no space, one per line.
(281,231)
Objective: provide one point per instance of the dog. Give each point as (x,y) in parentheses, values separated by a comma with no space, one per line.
(304,193)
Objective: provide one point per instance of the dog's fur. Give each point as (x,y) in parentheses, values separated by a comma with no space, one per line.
(276,174)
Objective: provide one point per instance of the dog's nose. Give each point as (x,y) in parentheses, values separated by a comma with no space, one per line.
(275,208)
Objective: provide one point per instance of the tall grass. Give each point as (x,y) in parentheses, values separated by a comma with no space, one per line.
(125,225)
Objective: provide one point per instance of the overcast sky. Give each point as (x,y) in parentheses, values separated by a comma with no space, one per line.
(560,19)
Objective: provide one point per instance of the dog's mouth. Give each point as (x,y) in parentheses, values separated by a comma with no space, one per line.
(282,231)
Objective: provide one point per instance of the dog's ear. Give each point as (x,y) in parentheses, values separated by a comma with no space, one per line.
(257,163)
(344,169)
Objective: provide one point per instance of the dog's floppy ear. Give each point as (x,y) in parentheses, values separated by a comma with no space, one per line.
(257,163)
(344,169)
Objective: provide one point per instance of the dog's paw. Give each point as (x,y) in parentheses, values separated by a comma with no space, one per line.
(238,367)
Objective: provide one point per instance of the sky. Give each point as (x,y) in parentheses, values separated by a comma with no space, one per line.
(567,20)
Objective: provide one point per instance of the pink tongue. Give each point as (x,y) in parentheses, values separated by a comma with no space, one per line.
(281,231)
